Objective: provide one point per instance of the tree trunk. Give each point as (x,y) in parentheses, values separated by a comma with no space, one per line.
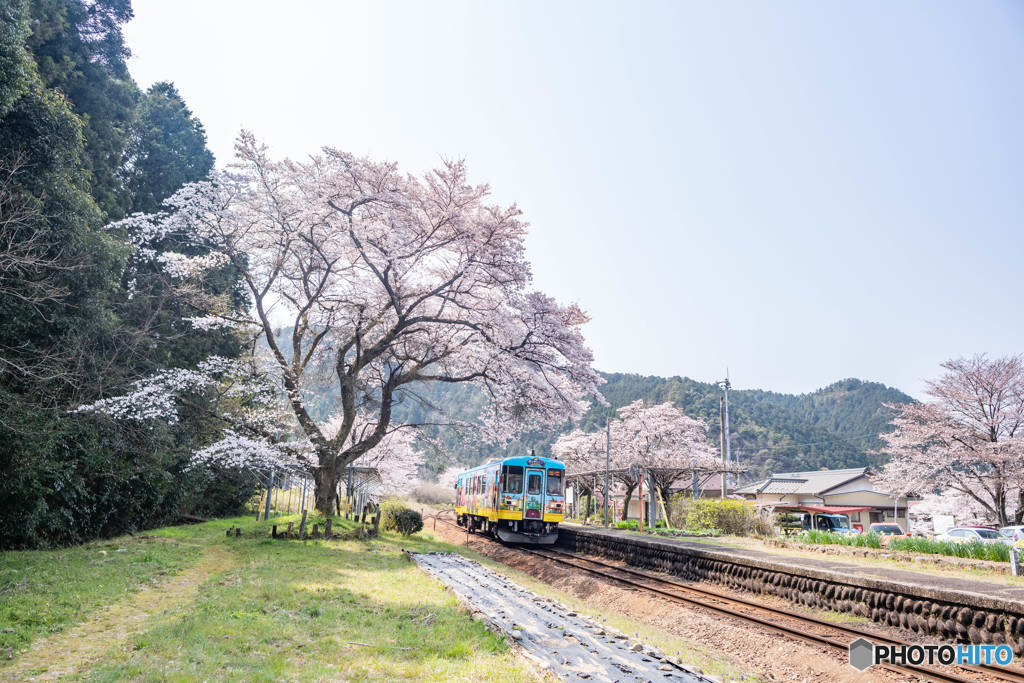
(326,480)
(625,502)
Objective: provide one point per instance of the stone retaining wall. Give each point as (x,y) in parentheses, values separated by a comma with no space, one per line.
(944,613)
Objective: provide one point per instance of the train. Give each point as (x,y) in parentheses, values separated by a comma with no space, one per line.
(519,500)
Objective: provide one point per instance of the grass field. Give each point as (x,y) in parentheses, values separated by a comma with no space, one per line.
(188,603)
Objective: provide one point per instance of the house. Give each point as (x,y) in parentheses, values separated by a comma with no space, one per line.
(846,492)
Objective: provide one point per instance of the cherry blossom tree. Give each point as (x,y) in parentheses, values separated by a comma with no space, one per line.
(384,282)
(660,436)
(968,440)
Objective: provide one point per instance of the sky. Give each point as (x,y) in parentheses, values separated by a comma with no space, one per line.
(794,192)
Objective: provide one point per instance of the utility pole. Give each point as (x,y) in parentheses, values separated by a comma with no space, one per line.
(728,452)
(607,465)
(721,427)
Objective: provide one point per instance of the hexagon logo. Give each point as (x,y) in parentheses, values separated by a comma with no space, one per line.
(862,654)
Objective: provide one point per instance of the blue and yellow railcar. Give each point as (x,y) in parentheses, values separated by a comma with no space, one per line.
(519,500)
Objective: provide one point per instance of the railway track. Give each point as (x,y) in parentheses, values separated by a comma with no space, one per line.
(801,627)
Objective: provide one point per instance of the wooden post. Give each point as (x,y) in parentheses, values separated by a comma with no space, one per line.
(302,526)
(327,528)
(273,531)
(289,532)
(316,531)
(376,522)
(238,532)
(362,519)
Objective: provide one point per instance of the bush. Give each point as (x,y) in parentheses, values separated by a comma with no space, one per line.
(701,515)
(395,516)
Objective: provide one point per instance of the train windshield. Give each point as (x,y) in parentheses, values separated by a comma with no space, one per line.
(533,483)
(554,482)
(514,479)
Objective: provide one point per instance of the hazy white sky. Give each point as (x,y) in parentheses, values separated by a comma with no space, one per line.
(798,191)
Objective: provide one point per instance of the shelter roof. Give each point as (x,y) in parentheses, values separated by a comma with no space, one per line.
(809,483)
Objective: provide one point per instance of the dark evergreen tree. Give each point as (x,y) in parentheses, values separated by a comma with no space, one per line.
(167,149)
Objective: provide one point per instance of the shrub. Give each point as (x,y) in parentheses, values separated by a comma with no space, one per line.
(395,516)
(700,515)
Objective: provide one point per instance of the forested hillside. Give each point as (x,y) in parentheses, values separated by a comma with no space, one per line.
(834,427)
(81,146)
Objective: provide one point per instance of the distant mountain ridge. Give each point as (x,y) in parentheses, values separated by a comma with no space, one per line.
(834,427)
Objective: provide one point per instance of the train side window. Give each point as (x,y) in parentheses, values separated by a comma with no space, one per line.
(554,482)
(533,483)
(514,479)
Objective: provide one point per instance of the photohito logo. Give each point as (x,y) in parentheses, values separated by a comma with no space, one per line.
(865,654)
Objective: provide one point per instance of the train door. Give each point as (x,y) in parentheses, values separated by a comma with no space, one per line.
(534,498)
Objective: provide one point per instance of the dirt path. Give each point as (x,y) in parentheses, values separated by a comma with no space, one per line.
(82,647)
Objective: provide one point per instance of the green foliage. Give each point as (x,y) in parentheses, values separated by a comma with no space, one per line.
(870,540)
(994,552)
(69,332)
(628,524)
(167,148)
(395,516)
(16,73)
(698,515)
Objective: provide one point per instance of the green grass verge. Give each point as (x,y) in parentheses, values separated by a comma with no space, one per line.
(313,610)
(45,591)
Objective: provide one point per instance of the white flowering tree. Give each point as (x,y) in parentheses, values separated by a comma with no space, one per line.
(655,436)
(968,441)
(384,281)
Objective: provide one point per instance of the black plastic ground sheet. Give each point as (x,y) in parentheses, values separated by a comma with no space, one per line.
(569,645)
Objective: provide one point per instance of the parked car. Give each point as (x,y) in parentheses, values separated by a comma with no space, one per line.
(972,533)
(1014,533)
(887,531)
(836,524)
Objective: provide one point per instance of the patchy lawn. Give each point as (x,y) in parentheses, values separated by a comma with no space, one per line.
(247,608)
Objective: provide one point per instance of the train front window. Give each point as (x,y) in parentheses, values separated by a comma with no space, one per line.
(513,479)
(533,483)
(554,482)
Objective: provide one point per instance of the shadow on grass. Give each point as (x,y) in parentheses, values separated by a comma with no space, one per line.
(314,610)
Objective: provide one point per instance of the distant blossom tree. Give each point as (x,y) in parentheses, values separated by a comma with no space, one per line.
(656,436)
(968,440)
(388,281)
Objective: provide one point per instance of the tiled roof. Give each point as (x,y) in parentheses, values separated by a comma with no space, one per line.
(808,483)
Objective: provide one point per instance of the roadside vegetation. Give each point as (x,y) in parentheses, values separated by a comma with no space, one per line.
(976,550)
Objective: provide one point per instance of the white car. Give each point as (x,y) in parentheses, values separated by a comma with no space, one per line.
(1014,533)
(973,533)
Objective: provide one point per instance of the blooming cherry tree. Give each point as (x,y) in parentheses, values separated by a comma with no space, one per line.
(660,436)
(385,281)
(968,440)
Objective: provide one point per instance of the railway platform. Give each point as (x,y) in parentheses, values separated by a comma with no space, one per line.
(961,610)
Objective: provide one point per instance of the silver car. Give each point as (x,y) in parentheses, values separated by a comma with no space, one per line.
(1014,533)
(973,533)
